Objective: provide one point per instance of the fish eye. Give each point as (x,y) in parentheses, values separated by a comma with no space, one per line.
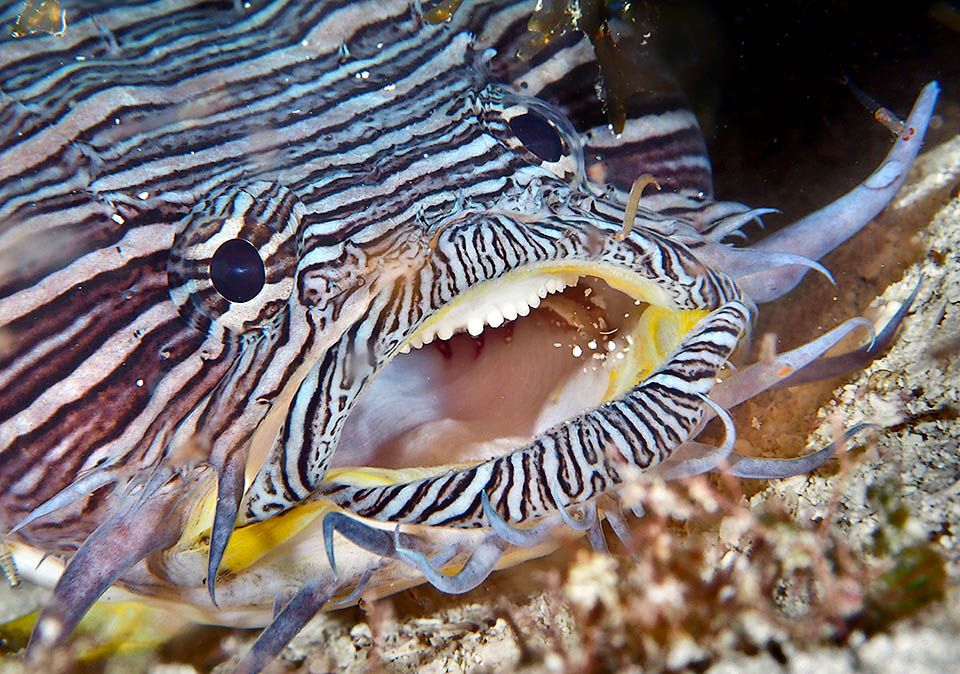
(538,136)
(233,261)
(236,271)
(537,131)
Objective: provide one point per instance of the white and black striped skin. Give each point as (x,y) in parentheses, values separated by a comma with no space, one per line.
(368,156)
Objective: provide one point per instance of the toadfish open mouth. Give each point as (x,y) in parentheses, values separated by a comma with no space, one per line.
(504,362)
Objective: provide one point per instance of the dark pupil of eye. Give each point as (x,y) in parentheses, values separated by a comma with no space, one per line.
(538,136)
(237,271)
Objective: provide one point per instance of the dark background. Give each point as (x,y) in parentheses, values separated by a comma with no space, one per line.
(764,78)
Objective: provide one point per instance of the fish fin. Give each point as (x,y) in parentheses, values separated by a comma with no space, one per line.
(229,494)
(297,612)
(146,519)
(82,487)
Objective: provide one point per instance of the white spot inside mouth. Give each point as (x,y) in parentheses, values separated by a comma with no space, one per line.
(493,303)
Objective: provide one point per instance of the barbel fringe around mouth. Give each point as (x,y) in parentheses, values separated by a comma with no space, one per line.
(321,301)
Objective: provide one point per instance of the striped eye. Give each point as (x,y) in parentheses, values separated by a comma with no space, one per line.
(237,271)
(538,135)
(233,259)
(535,130)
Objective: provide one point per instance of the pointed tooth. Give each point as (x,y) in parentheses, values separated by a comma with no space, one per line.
(542,292)
(405,348)
(494,318)
(524,309)
(428,337)
(534,302)
(475,325)
(509,312)
(445,332)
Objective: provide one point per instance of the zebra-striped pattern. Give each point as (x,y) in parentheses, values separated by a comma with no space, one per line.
(466,254)
(576,460)
(369,160)
(264,214)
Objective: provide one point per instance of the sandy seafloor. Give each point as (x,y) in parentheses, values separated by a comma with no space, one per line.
(576,611)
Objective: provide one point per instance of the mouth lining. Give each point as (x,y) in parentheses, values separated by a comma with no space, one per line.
(504,362)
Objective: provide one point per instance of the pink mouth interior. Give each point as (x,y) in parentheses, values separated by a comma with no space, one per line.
(472,398)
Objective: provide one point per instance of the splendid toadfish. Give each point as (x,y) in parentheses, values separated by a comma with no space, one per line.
(303,300)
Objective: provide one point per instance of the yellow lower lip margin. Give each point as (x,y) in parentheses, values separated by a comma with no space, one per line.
(249,543)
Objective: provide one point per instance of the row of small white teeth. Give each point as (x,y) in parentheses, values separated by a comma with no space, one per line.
(495,318)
